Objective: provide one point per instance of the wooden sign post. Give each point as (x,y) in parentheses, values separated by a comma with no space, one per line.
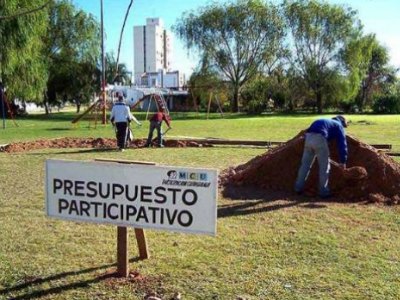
(123,234)
(122,251)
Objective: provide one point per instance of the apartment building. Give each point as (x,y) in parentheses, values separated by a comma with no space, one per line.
(152,48)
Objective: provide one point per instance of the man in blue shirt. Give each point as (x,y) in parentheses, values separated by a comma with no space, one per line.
(316,145)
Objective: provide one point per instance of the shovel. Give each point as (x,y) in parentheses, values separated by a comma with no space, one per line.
(162,135)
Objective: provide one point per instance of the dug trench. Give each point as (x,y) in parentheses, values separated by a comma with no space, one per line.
(371,176)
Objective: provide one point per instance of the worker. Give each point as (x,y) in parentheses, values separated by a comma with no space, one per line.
(155,123)
(121,117)
(316,145)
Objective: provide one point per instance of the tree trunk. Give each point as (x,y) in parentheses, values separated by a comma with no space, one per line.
(46,103)
(362,97)
(319,102)
(235,99)
(24,106)
(46,107)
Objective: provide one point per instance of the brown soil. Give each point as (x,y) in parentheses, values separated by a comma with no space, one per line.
(371,176)
(94,143)
(141,284)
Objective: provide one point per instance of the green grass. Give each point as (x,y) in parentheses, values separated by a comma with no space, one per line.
(374,129)
(281,249)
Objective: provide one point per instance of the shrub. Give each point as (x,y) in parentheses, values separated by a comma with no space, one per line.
(255,96)
(388,104)
(348,106)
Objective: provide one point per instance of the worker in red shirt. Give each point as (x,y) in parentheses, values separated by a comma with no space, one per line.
(155,123)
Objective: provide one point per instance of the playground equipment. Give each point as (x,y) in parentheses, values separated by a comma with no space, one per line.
(146,98)
(213,96)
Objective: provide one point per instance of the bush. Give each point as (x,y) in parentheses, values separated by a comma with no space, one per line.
(255,107)
(348,106)
(388,104)
(255,96)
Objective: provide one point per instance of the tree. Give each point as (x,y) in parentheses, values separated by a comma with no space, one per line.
(22,28)
(205,83)
(377,75)
(318,32)
(72,49)
(113,75)
(356,56)
(369,72)
(235,37)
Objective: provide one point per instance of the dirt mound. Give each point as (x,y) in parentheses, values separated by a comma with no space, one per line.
(355,173)
(370,176)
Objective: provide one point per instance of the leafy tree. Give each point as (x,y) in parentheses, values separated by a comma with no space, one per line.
(205,80)
(72,48)
(235,37)
(22,67)
(256,95)
(377,75)
(318,32)
(370,74)
(122,75)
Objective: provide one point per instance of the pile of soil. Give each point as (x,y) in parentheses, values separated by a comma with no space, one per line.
(371,176)
(94,143)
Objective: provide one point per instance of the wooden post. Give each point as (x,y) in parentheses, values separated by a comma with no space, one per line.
(122,232)
(122,252)
(209,104)
(142,245)
(219,105)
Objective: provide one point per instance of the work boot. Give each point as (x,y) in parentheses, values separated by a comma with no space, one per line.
(326,196)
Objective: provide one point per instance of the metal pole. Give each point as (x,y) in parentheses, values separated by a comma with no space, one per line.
(103,63)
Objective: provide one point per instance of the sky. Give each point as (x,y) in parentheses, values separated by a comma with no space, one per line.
(377,16)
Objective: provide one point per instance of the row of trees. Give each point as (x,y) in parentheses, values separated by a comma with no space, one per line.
(304,53)
(51,52)
(300,53)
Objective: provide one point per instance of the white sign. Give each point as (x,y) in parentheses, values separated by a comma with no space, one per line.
(144,196)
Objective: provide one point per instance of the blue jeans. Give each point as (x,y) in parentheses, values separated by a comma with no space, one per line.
(315,145)
(154,125)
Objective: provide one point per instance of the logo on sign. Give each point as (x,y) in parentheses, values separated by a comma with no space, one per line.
(172,174)
(193,176)
(185,178)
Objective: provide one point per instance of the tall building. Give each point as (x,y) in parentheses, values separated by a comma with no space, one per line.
(152,49)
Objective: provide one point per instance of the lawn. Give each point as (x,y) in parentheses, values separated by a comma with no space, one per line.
(373,129)
(264,249)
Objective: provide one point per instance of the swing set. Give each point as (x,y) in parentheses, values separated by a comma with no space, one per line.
(213,96)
